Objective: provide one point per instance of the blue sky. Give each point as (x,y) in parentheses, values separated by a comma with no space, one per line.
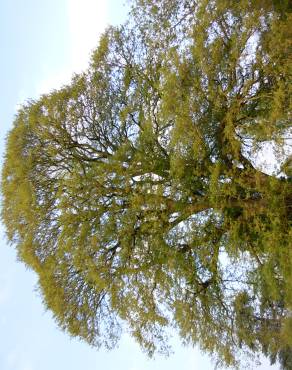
(42,44)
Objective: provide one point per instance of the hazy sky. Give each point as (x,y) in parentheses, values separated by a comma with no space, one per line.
(42,43)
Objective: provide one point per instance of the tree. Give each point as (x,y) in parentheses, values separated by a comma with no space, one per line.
(133,192)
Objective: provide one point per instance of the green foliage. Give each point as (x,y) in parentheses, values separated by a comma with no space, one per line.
(132,192)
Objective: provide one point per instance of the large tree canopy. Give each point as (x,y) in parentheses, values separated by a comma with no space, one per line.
(133,192)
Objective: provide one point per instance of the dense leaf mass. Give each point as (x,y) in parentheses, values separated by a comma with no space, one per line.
(134,194)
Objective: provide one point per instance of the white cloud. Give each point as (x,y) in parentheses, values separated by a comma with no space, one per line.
(5,289)
(18,360)
(87,20)
(270,157)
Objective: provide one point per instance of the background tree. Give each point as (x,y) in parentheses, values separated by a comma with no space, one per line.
(133,192)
